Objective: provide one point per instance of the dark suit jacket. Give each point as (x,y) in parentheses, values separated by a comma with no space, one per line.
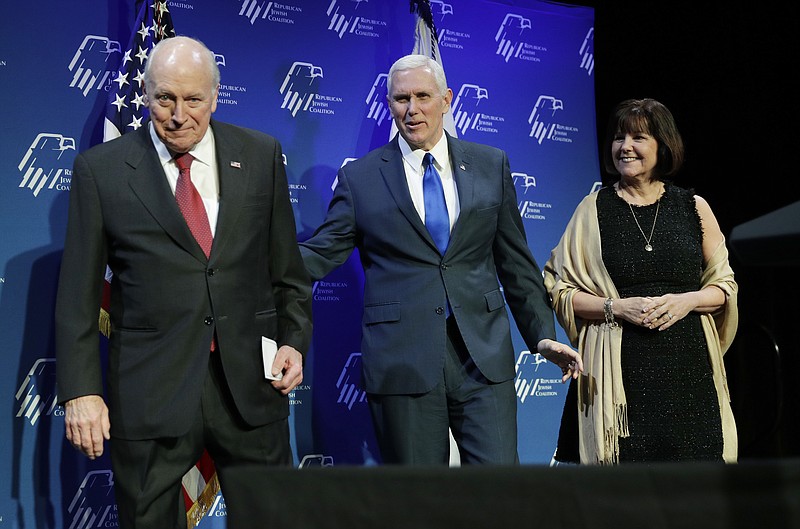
(407,280)
(167,299)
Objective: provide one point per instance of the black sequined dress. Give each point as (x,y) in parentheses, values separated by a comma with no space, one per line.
(673,414)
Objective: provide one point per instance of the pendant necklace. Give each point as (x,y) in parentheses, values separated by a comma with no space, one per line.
(647,239)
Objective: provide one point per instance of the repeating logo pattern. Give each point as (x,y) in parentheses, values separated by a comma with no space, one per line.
(466,104)
(448,37)
(340,23)
(254,10)
(438,7)
(218,508)
(528,382)
(93,63)
(349,382)
(316,460)
(298,87)
(529,207)
(37,392)
(45,164)
(378,107)
(93,504)
(88,62)
(509,35)
(587,52)
(545,125)
(541,118)
(343,19)
(524,180)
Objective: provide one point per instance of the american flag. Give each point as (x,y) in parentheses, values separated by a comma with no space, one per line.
(125,108)
(126,111)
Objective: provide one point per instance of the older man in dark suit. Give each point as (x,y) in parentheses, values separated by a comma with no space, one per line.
(436,345)
(185,368)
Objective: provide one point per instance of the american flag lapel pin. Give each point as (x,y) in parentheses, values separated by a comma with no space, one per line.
(236,165)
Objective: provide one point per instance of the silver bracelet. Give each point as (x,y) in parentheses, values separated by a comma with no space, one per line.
(608,310)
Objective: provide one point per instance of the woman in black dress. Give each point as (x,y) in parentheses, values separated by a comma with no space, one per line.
(641,283)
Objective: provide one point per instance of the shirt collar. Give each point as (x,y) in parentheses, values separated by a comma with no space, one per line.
(414,157)
(203,152)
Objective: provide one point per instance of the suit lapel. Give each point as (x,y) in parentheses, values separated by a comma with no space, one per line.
(461,162)
(233,176)
(394,174)
(150,184)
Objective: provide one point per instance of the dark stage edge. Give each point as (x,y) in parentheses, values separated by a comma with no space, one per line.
(751,495)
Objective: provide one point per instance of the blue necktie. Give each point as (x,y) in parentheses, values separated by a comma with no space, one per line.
(436,219)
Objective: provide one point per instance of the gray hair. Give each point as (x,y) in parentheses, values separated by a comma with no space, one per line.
(409,62)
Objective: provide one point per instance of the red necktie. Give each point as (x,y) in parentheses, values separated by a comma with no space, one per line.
(191,204)
(193,210)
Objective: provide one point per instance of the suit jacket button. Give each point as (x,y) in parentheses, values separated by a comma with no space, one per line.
(439,310)
(210,272)
(209,320)
(443,266)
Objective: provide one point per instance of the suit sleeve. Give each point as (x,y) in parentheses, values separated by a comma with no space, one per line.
(334,240)
(79,370)
(518,271)
(290,282)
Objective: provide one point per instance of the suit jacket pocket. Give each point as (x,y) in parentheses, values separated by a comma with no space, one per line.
(487,212)
(381,313)
(259,200)
(267,322)
(494,300)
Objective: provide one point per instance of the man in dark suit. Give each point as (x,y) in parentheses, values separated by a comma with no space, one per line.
(436,345)
(185,369)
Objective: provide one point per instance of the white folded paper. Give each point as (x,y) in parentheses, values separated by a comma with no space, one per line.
(268,351)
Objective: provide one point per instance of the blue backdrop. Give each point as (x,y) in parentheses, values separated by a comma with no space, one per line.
(522,74)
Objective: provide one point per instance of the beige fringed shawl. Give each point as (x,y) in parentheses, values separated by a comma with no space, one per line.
(576,265)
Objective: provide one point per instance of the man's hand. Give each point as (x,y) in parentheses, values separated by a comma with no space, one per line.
(87,425)
(563,356)
(288,361)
